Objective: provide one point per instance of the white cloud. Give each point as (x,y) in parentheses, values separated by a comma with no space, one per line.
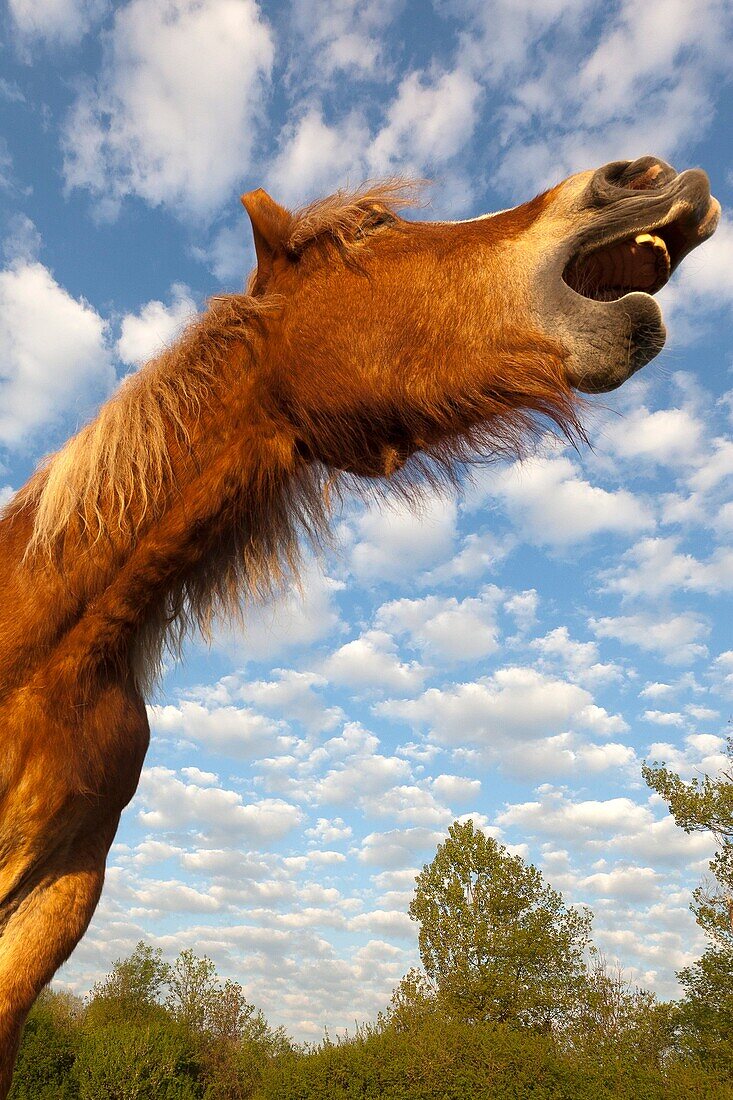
(357,772)
(430,120)
(627,883)
(212,811)
(514,705)
(722,672)
(553,506)
(699,753)
(175,110)
(145,334)
(302,616)
(346,36)
(523,606)
(396,541)
(644,84)
(56,21)
(329,831)
(643,49)
(654,566)
(428,123)
(672,437)
(716,466)
(385,922)
(677,638)
(559,816)
(22,239)
(664,718)
(444,628)
(479,553)
(236,731)
(399,847)
(456,788)
(578,660)
(316,156)
(291,694)
(55,361)
(372,661)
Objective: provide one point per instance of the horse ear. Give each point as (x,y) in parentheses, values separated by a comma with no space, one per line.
(270,227)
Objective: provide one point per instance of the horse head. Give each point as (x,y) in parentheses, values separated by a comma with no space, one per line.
(406,338)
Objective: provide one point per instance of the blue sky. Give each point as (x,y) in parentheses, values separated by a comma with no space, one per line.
(513,653)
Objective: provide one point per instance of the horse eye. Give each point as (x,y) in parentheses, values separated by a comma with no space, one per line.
(373,219)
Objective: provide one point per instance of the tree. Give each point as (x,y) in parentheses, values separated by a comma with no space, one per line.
(496,941)
(617,1022)
(48,1049)
(705,804)
(138,1059)
(706,1011)
(133,988)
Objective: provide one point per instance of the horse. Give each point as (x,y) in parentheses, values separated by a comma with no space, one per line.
(369,349)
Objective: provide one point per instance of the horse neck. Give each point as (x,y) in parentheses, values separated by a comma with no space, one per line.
(225,519)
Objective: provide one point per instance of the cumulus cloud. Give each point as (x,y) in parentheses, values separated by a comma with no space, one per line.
(177,806)
(345,37)
(372,661)
(430,119)
(291,694)
(643,84)
(672,437)
(655,566)
(579,661)
(173,115)
(62,22)
(557,815)
(54,353)
(552,505)
(677,638)
(316,156)
(356,771)
(148,332)
(397,541)
(513,703)
(302,616)
(444,628)
(236,731)
(428,122)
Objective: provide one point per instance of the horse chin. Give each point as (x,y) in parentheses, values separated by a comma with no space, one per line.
(608,342)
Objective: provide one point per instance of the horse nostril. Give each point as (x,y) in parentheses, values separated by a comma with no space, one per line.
(645,174)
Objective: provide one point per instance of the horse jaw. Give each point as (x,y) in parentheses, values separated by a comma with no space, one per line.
(623,203)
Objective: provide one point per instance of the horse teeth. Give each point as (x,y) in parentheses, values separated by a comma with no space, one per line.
(656,242)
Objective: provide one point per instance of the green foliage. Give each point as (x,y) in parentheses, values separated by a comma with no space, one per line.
(496,941)
(444,1059)
(137,1060)
(505,1007)
(706,1013)
(705,804)
(619,1023)
(48,1050)
(132,989)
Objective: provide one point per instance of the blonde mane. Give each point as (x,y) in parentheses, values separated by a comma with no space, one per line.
(121,458)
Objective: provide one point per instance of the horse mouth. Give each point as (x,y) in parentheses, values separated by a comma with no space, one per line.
(646,220)
(605,274)
(639,262)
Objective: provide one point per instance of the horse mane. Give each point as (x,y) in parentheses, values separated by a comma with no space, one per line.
(118,466)
(338,217)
